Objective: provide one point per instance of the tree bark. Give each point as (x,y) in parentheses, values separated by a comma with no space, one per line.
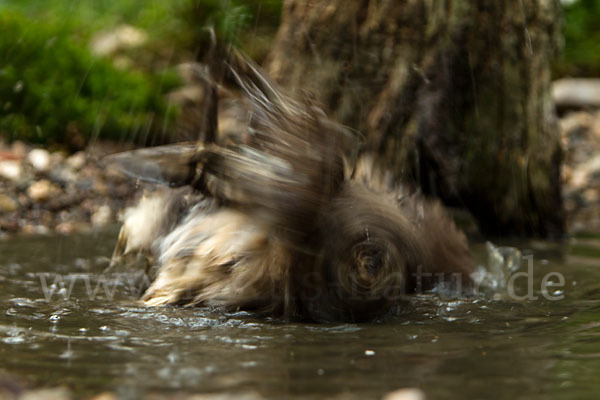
(454,95)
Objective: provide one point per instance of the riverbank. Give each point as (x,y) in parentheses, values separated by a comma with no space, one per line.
(580,136)
(44,191)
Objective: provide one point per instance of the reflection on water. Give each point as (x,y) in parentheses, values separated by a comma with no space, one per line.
(490,346)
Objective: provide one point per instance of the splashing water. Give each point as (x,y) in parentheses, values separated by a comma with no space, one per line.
(502,262)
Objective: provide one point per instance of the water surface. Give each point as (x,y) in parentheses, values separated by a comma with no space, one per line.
(490,346)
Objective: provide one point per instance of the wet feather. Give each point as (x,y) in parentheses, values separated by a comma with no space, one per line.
(287,221)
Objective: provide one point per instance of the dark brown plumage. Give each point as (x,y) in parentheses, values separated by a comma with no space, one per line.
(284,221)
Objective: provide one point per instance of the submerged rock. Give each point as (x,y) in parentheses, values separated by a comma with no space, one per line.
(13,387)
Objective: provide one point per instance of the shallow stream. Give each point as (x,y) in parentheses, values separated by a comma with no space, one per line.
(490,346)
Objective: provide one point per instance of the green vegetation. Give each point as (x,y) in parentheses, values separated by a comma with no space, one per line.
(181,20)
(53,90)
(249,24)
(581,54)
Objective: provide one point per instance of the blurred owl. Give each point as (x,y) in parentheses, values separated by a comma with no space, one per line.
(285,218)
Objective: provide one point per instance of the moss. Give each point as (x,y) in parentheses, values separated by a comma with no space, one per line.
(52,90)
(49,81)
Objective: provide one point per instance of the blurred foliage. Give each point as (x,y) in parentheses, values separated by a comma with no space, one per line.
(249,24)
(581,53)
(182,20)
(54,91)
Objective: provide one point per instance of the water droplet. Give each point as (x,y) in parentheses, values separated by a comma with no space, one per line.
(67,354)
(173,357)
(14,340)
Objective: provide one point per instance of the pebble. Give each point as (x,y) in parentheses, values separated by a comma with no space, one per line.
(30,229)
(591,195)
(11,170)
(580,138)
(102,217)
(73,193)
(105,396)
(76,161)
(41,190)
(405,394)
(67,228)
(19,148)
(100,188)
(8,204)
(39,159)
(582,174)
(47,394)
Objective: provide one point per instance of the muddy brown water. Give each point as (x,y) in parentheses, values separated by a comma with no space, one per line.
(491,346)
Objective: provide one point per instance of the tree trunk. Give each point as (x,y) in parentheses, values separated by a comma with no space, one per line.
(453,94)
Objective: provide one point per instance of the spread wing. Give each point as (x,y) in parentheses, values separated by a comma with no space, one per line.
(174,165)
